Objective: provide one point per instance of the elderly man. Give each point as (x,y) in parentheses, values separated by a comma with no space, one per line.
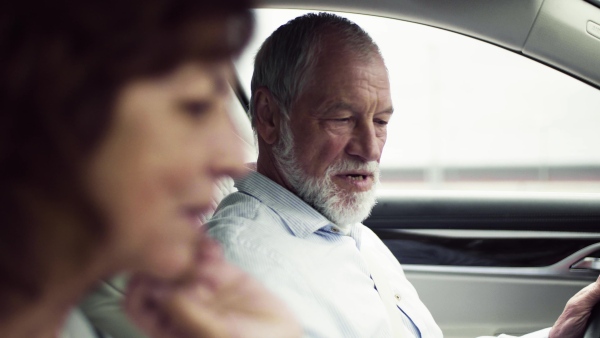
(320,105)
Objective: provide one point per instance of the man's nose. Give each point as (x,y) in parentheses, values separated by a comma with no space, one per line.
(227,150)
(365,143)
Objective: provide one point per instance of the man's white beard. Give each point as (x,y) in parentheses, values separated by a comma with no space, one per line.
(341,207)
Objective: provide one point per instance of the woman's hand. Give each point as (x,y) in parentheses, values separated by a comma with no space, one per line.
(217,299)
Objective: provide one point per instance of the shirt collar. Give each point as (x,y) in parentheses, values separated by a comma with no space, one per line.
(301,218)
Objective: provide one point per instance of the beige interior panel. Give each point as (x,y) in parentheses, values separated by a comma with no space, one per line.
(563,35)
(503,22)
(467,306)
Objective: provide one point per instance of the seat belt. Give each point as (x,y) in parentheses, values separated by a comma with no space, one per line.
(399,330)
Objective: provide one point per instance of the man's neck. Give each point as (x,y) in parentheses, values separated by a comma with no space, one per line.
(266,165)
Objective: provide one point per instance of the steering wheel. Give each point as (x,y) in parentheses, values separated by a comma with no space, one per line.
(593,324)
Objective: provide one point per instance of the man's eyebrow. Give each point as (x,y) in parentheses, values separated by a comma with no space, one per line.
(347,106)
(340,105)
(390,111)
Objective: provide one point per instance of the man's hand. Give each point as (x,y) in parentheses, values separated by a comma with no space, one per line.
(216,300)
(572,322)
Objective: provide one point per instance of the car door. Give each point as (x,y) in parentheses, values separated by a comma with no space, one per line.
(486,264)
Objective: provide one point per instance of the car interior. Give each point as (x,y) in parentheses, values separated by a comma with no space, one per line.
(495,245)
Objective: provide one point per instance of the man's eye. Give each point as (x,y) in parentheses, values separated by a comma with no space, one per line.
(381,122)
(344,119)
(194,108)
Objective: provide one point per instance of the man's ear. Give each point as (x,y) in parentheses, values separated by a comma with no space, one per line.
(267,115)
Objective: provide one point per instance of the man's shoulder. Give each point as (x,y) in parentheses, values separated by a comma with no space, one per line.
(236,205)
(252,236)
(243,217)
(235,212)
(368,234)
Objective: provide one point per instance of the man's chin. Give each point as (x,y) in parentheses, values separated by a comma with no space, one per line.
(353,199)
(351,208)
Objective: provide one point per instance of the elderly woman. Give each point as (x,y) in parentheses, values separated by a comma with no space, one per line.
(113,127)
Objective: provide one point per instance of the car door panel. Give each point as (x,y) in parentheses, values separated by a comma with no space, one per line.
(486,264)
(472,305)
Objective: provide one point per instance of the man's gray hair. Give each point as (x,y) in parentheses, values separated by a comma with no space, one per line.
(285,59)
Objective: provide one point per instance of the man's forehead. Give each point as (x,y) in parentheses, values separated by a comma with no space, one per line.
(344,64)
(347,84)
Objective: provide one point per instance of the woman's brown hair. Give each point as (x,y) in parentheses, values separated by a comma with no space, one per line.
(61,65)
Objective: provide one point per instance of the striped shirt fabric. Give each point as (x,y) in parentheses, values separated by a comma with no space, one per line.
(312,265)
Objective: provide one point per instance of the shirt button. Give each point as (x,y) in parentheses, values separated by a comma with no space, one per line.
(397,297)
(335,229)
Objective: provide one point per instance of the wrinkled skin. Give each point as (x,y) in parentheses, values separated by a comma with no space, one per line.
(573,321)
(216,300)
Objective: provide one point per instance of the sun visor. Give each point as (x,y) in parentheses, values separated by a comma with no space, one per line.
(566,35)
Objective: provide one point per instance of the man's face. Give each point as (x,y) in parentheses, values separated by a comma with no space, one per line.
(338,126)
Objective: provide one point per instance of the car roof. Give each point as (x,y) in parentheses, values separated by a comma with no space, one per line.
(563,34)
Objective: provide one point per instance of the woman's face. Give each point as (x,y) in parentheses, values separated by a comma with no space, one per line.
(170,139)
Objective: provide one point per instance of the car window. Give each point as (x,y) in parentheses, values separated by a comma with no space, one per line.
(470,115)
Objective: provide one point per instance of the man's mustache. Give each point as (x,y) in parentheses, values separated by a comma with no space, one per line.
(371,167)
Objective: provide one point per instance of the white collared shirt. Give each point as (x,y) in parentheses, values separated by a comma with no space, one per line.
(310,264)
